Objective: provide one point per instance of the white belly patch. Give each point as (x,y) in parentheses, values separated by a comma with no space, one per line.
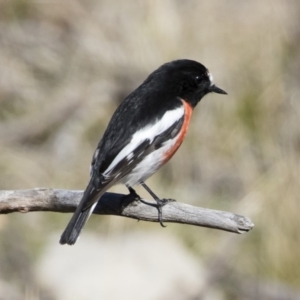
(149,165)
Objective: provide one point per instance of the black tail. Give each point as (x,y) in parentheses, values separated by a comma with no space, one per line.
(75,226)
(83,211)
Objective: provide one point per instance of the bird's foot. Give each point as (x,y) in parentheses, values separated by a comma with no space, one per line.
(159,205)
(130,198)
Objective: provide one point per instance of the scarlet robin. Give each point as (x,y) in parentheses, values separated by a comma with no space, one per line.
(143,134)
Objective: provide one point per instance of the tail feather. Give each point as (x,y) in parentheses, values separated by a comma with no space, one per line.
(84,210)
(71,233)
(81,215)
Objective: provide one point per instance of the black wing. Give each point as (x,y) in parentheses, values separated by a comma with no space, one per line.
(128,163)
(142,107)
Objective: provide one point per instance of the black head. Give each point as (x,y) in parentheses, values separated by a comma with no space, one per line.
(186,79)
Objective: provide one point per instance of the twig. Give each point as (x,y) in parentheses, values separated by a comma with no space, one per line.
(44,199)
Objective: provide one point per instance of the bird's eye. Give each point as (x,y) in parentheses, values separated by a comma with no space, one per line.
(198,79)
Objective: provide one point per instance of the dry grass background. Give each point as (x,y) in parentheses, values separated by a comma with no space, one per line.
(66,65)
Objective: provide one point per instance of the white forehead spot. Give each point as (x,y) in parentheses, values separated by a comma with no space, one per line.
(210,78)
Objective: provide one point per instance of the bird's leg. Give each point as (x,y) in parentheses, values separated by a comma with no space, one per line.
(159,202)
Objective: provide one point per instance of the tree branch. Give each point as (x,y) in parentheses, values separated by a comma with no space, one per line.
(44,199)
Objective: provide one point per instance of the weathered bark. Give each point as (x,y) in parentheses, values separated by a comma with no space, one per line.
(44,199)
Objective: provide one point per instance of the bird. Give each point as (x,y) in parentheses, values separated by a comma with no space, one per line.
(143,134)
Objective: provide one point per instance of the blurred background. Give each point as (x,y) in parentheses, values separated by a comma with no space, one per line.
(64,68)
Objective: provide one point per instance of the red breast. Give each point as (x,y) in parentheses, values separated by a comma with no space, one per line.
(181,135)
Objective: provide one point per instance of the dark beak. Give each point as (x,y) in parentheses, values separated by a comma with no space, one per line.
(217,90)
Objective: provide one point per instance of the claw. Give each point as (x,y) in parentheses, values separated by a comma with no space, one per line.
(160,216)
(159,204)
